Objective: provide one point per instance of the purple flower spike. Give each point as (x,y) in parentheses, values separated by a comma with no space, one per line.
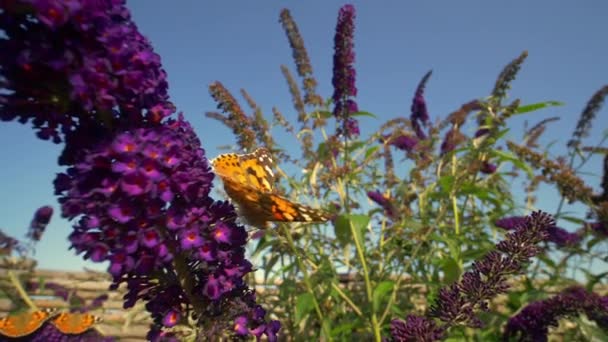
(382,201)
(344,72)
(533,322)
(415,329)
(41,219)
(420,114)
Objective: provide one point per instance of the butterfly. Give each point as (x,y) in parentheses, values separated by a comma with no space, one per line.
(248,180)
(74,323)
(24,323)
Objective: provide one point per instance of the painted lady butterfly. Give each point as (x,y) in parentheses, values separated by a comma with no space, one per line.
(249,179)
(74,323)
(24,323)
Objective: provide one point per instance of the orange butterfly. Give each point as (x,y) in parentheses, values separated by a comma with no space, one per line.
(73,323)
(248,180)
(24,323)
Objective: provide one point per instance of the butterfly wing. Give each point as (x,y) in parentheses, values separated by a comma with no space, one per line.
(252,169)
(72,323)
(248,180)
(24,323)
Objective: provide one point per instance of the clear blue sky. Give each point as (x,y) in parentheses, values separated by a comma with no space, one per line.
(242,44)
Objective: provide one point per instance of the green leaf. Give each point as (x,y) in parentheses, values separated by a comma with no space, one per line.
(363,114)
(446,183)
(342,230)
(321,113)
(359,224)
(507,156)
(380,292)
(451,270)
(371,151)
(536,106)
(304,305)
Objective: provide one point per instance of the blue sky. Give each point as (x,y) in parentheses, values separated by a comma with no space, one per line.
(242,44)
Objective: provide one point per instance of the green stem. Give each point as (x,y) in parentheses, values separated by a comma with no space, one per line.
(368,284)
(17,284)
(307,283)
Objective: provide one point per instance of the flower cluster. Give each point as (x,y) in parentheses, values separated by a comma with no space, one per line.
(65,63)
(457,303)
(420,114)
(344,72)
(559,236)
(383,201)
(533,322)
(41,219)
(137,182)
(144,206)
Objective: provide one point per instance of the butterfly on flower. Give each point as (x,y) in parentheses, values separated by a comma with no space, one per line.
(24,323)
(249,182)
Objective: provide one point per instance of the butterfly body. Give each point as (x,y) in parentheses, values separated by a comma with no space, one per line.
(248,180)
(25,323)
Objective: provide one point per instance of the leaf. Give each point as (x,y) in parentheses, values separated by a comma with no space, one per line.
(371,151)
(362,113)
(451,270)
(342,230)
(304,305)
(359,224)
(536,106)
(446,183)
(322,113)
(380,293)
(507,156)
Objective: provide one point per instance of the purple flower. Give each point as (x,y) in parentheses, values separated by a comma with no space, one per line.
(344,73)
(171,318)
(403,142)
(41,219)
(383,201)
(72,62)
(557,235)
(533,322)
(420,115)
(489,275)
(240,325)
(562,237)
(488,168)
(415,329)
(511,222)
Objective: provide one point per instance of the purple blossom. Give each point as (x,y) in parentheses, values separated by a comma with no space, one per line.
(383,201)
(533,322)
(420,115)
(458,303)
(137,184)
(415,329)
(72,62)
(404,142)
(41,219)
(344,73)
(488,168)
(557,235)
